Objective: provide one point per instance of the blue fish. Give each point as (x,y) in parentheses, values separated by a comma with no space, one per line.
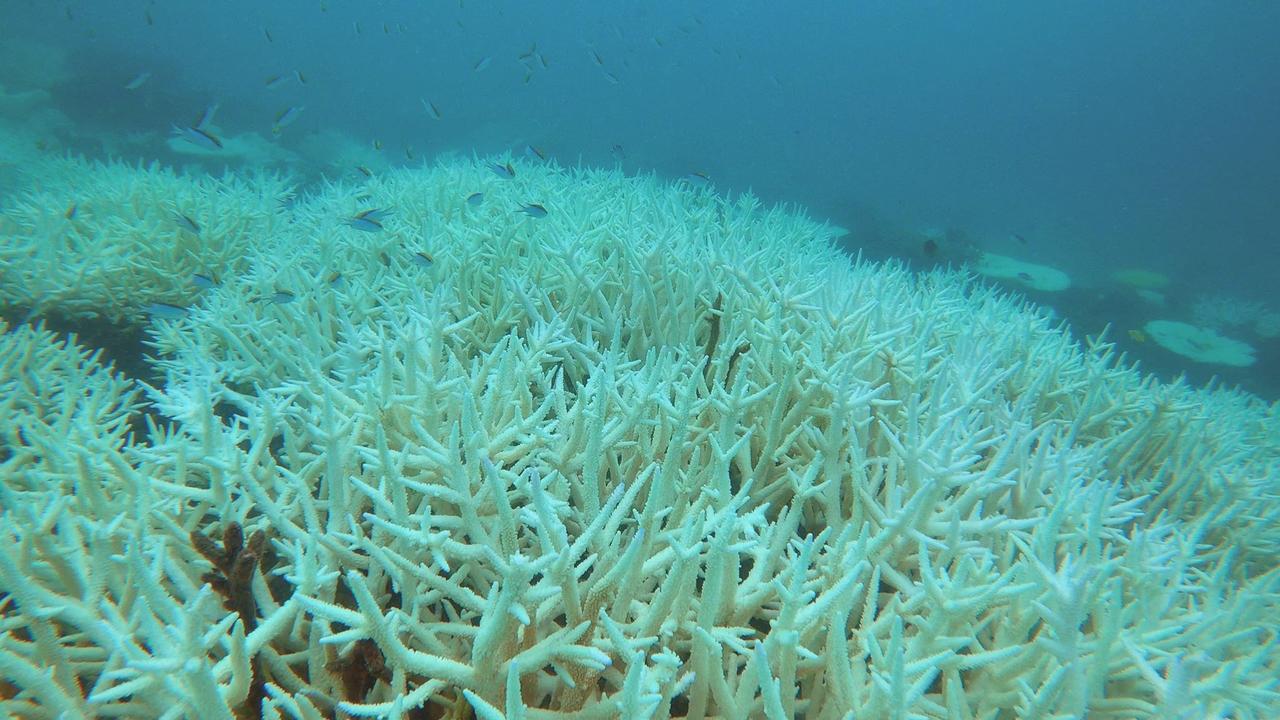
(697,179)
(423,259)
(365,224)
(138,81)
(206,117)
(503,171)
(204,282)
(165,311)
(198,137)
(282,297)
(368,220)
(533,210)
(475,198)
(286,118)
(187,223)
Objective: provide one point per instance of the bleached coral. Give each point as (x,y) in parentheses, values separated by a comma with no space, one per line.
(657,454)
(1222,312)
(106,240)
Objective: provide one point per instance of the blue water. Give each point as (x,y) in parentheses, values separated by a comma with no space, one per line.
(1102,134)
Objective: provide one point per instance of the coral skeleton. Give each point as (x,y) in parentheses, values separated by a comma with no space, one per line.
(660,453)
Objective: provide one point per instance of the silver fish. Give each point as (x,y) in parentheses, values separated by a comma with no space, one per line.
(198,137)
(368,220)
(697,179)
(138,81)
(206,117)
(286,118)
(165,311)
(187,223)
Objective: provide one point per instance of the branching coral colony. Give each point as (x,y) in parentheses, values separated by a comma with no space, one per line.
(656,454)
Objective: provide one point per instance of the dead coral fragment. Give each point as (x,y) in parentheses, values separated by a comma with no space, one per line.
(233,564)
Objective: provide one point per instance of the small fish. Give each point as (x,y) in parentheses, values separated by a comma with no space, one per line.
(365,224)
(165,311)
(355,25)
(138,81)
(503,171)
(206,117)
(596,57)
(697,179)
(283,297)
(528,54)
(377,144)
(267,34)
(335,280)
(408,153)
(481,64)
(151,21)
(534,152)
(276,81)
(1026,277)
(431,108)
(930,247)
(368,220)
(203,281)
(475,198)
(533,210)
(302,79)
(364,171)
(187,223)
(70,214)
(542,60)
(613,79)
(423,259)
(618,153)
(286,118)
(198,137)
(1021,240)
(1137,336)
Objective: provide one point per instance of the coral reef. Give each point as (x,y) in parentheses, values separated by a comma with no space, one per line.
(1227,314)
(101,240)
(659,453)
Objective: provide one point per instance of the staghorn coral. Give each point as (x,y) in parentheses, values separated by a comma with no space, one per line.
(658,454)
(103,240)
